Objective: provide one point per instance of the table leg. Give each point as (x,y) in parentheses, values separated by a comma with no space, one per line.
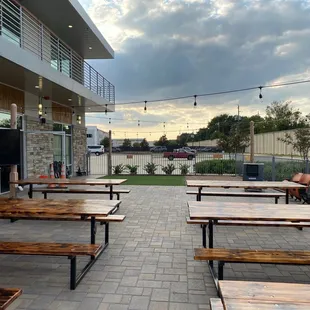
(199,194)
(287,197)
(30,192)
(210,228)
(93,230)
(111,192)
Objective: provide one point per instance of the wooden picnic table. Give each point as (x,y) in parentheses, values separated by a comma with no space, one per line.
(7,296)
(284,185)
(243,295)
(233,211)
(31,208)
(90,182)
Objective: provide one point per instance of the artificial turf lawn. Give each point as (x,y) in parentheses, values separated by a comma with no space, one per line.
(169,180)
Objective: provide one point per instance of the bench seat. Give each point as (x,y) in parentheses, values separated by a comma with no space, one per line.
(250,223)
(252,256)
(216,304)
(7,296)
(275,195)
(71,250)
(57,190)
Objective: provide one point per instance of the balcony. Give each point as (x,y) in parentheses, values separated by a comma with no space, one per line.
(21,28)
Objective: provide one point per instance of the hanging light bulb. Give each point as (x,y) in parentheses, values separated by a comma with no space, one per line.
(45,112)
(73,112)
(145,106)
(109,120)
(150,134)
(260,96)
(138,123)
(187,125)
(40,107)
(195,103)
(106,109)
(164,124)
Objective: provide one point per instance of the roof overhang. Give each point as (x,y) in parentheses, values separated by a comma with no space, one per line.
(84,37)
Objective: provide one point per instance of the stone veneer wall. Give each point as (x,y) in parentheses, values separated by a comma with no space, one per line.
(79,141)
(39,147)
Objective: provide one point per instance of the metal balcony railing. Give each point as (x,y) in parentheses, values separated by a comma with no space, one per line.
(21,28)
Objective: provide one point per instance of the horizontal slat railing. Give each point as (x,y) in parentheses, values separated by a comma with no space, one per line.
(21,28)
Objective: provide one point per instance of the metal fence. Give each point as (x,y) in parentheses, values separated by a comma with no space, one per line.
(21,28)
(275,168)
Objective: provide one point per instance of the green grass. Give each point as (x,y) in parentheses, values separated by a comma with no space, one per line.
(171,180)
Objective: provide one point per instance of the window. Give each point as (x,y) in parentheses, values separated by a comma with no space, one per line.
(89,135)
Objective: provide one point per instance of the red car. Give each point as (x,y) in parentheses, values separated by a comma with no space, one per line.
(179,154)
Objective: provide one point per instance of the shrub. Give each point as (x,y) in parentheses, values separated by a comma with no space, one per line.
(283,169)
(132,169)
(118,169)
(184,169)
(150,168)
(216,166)
(169,169)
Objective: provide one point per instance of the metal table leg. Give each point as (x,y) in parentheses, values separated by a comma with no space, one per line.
(93,230)
(287,197)
(210,228)
(111,192)
(199,194)
(30,192)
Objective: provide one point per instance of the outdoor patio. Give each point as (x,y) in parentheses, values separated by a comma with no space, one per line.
(149,263)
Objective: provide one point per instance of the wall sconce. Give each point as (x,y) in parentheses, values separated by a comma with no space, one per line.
(40,109)
(79,119)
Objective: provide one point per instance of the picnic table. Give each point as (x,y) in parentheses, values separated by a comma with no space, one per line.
(285,185)
(243,295)
(247,212)
(32,208)
(90,182)
(7,296)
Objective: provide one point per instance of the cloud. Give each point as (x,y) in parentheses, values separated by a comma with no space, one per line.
(168,48)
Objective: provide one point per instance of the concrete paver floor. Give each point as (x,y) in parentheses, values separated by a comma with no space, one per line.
(149,262)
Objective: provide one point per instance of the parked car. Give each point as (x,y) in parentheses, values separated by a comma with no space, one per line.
(158,149)
(179,153)
(116,149)
(96,149)
(188,149)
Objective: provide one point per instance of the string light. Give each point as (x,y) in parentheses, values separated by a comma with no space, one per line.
(73,112)
(109,120)
(106,109)
(45,112)
(260,93)
(195,103)
(139,123)
(164,124)
(187,125)
(145,106)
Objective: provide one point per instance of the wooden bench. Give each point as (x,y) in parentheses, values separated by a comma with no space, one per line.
(104,220)
(275,195)
(252,256)
(46,190)
(216,304)
(56,249)
(7,296)
(204,224)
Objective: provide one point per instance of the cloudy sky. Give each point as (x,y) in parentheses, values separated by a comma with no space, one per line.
(171,48)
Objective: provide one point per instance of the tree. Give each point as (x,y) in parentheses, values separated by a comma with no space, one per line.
(136,145)
(105,142)
(183,138)
(6,123)
(127,143)
(144,145)
(301,143)
(163,141)
(236,142)
(282,116)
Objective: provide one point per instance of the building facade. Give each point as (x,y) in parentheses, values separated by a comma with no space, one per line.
(43,47)
(95,135)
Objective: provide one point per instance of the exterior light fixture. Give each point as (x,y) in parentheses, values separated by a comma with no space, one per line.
(70,26)
(260,96)
(195,103)
(79,119)
(90,48)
